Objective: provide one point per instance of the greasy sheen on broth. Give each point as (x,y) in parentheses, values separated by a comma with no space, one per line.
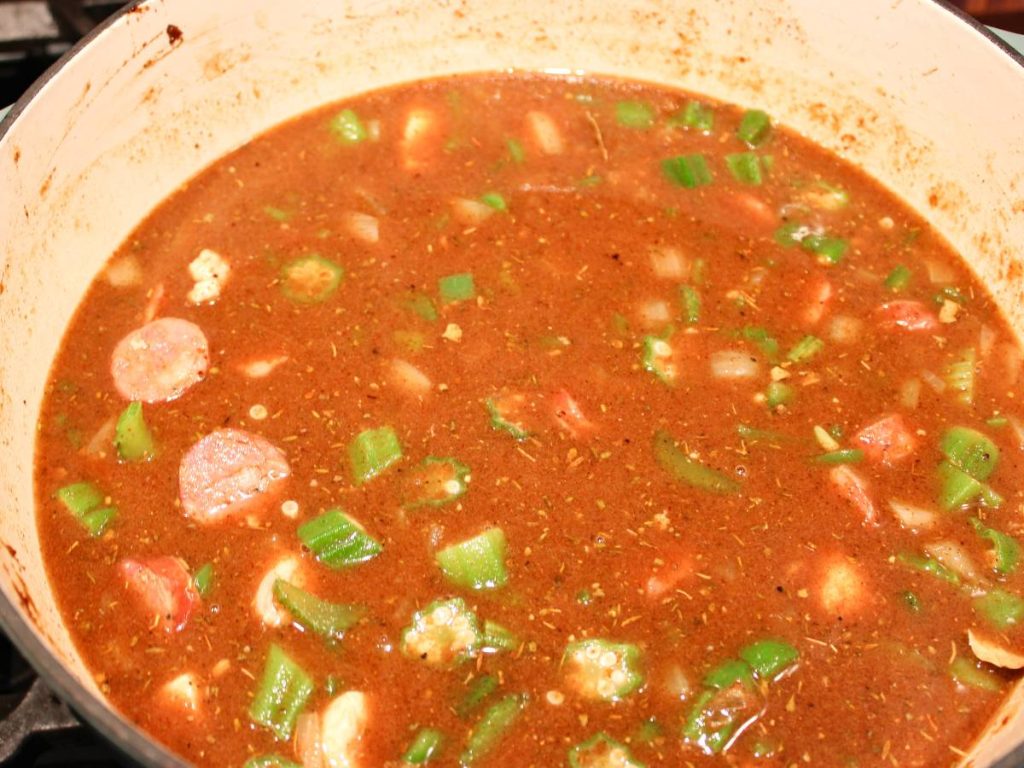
(532,421)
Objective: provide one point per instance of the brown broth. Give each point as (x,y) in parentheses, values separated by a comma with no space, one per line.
(589,515)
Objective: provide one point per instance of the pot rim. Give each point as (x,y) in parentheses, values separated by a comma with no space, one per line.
(122,734)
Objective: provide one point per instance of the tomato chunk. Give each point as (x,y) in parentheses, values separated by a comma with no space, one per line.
(678,568)
(906,316)
(887,440)
(163,587)
(568,414)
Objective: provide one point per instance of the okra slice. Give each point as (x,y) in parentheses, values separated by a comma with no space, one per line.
(602,751)
(310,279)
(283,692)
(132,436)
(602,669)
(657,357)
(509,412)
(436,481)
(489,731)
(338,540)
(443,634)
(477,563)
(329,620)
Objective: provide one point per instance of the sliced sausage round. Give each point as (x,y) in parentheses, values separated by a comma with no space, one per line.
(226,471)
(160,360)
(163,587)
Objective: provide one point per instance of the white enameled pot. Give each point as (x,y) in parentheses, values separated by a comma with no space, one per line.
(922,98)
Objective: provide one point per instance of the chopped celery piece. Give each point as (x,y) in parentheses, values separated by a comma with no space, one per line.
(634,114)
(727,673)
(488,732)
(477,563)
(436,481)
(85,502)
(717,716)
(745,167)
(971,458)
(951,293)
(372,451)
(960,377)
(1005,549)
(602,751)
(203,580)
(808,347)
(763,340)
(997,420)
(348,128)
(425,746)
(694,115)
(778,393)
(80,498)
(282,694)
(505,411)
(443,634)
(1001,608)
(928,565)
(912,601)
(967,672)
(457,287)
(515,151)
(479,690)
(329,620)
(648,731)
(766,748)
(494,200)
(841,456)
(310,279)
(898,279)
(753,433)
(684,469)
(337,540)
(830,250)
(689,171)
(422,306)
(602,669)
(791,233)
(755,127)
(499,638)
(277,214)
(132,437)
(769,658)
(689,298)
(269,761)
(656,358)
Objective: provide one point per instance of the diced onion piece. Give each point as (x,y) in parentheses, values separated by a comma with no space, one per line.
(414,147)
(155,300)
(954,557)
(102,442)
(991,652)
(1017,428)
(912,517)
(261,367)
(307,740)
(843,588)
(940,273)
(933,381)
(182,692)
(373,130)
(263,603)
(363,226)
(655,314)
(669,263)
(844,329)
(825,440)
(123,272)
(676,683)
(409,378)
(471,211)
(1012,358)
(986,341)
(341,729)
(733,364)
(545,132)
(820,295)
(910,393)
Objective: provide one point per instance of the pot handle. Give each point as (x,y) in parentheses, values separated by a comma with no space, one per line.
(39,711)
